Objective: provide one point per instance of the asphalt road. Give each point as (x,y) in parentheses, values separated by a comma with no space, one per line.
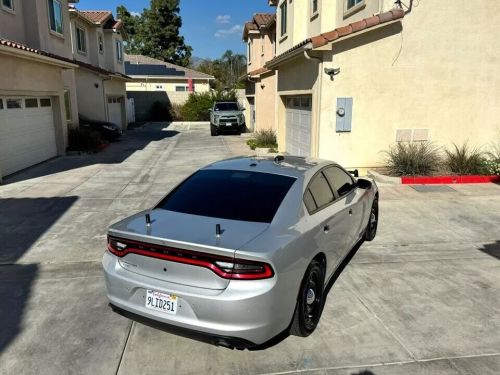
(423,298)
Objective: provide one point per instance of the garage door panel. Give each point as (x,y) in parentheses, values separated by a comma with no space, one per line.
(298,125)
(27,137)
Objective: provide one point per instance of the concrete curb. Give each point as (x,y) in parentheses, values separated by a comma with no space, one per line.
(384,179)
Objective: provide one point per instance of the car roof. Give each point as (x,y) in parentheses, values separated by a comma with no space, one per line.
(294,166)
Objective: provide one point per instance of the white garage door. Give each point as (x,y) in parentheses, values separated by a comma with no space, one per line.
(298,125)
(115,110)
(27,132)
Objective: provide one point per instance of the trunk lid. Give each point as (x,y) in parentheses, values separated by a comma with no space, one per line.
(194,237)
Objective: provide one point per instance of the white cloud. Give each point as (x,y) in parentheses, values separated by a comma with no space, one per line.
(222,19)
(222,33)
(135,14)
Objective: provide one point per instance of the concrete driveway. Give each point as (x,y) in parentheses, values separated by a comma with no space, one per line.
(423,298)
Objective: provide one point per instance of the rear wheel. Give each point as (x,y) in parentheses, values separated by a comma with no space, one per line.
(310,301)
(213,130)
(371,228)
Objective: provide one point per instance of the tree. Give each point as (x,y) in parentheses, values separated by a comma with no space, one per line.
(226,70)
(131,24)
(160,33)
(155,33)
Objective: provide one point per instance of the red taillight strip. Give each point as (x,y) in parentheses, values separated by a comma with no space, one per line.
(268,272)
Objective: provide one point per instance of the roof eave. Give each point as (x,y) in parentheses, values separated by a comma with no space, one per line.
(272,64)
(28,55)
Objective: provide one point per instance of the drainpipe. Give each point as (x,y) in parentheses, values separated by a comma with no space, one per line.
(105,98)
(410,7)
(319,95)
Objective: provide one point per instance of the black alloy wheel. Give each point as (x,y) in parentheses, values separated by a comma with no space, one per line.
(310,301)
(371,228)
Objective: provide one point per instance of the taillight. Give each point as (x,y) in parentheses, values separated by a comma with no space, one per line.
(225,267)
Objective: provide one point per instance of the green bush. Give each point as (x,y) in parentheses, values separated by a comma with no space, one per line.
(263,139)
(464,160)
(413,159)
(492,161)
(82,139)
(160,111)
(175,112)
(198,104)
(252,143)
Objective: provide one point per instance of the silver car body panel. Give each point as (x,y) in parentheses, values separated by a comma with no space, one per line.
(254,310)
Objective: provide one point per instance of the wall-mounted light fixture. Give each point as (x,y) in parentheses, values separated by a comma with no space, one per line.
(96,85)
(332,72)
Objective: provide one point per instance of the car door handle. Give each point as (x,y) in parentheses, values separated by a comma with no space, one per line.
(326,228)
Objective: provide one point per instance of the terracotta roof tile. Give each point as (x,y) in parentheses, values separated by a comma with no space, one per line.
(96,16)
(338,33)
(262,19)
(259,20)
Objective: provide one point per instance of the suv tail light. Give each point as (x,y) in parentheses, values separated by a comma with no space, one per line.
(225,267)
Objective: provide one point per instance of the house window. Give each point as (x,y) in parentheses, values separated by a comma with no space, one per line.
(182,88)
(119,50)
(55,16)
(100,41)
(67,105)
(14,103)
(9,4)
(45,102)
(353,3)
(314,7)
(159,87)
(81,40)
(283,17)
(1,103)
(31,103)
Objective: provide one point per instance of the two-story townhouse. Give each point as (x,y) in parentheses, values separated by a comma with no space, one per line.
(355,76)
(97,47)
(260,35)
(37,84)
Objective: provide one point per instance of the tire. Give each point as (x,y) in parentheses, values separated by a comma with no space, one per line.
(213,130)
(371,227)
(309,305)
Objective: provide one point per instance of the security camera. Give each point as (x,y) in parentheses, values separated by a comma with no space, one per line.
(332,72)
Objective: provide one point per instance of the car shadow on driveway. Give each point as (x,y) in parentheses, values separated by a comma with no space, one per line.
(22,222)
(492,249)
(117,152)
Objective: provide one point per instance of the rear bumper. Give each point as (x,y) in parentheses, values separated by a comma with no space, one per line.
(246,313)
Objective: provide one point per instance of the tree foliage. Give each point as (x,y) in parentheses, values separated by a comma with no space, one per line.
(155,32)
(198,104)
(226,70)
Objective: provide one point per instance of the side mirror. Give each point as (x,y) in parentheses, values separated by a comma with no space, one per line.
(364,184)
(210,110)
(243,109)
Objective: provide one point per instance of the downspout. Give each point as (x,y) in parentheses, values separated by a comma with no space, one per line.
(319,95)
(106,112)
(410,7)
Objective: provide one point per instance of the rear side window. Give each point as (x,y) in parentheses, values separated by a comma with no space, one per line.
(228,194)
(341,181)
(319,193)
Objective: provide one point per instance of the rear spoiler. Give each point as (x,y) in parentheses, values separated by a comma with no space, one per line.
(355,173)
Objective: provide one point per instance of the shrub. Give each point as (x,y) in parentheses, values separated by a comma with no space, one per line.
(81,139)
(252,143)
(198,104)
(175,112)
(160,111)
(464,160)
(411,159)
(492,162)
(266,138)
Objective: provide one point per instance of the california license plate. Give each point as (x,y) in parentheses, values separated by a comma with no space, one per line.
(229,123)
(166,303)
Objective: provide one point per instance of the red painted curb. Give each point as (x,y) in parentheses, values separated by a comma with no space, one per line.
(447,180)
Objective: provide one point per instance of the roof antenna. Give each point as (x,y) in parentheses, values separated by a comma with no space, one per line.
(148,220)
(217,231)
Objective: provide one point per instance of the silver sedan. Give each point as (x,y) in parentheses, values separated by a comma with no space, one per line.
(241,251)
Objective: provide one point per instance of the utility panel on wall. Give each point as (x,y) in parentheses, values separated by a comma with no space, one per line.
(344,115)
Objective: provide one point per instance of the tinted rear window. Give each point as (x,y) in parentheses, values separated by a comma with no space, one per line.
(233,195)
(226,107)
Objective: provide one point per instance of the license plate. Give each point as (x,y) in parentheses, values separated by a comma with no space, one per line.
(229,123)
(166,303)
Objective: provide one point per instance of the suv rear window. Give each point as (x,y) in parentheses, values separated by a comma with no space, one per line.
(229,194)
(226,107)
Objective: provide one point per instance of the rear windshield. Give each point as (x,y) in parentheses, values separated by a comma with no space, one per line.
(226,107)
(227,194)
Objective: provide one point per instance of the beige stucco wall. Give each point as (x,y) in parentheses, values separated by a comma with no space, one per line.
(265,102)
(86,56)
(13,25)
(91,102)
(22,77)
(167,85)
(69,81)
(112,62)
(441,76)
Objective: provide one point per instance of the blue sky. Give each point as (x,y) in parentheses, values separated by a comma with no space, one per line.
(209,26)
